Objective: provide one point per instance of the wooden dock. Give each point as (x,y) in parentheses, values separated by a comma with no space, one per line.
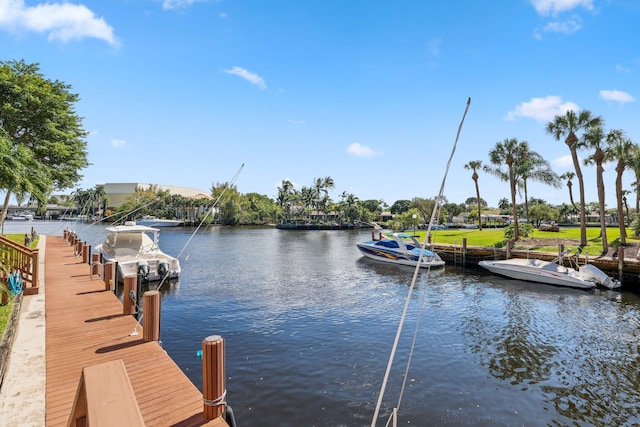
(85,327)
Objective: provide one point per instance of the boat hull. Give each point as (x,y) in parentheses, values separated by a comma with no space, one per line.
(397,258)
(532,270)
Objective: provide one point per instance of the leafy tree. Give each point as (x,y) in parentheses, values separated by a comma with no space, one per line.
(373,206)
(43,131)
(285,198)
(532,166)
(230,204)
(400,206)
(506,153)
(504,205)
(542,212)
(424,208)
(475,166)
(450,210)
(566,127)
(595,140)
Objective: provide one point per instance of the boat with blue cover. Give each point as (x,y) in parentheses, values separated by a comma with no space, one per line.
(400,248)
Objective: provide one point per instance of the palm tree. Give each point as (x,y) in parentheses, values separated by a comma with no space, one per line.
(475,165)
(285,197)
(506,153)
(594,139)
(569,177)
(532,166)
(634,163)
(567,126)
(618,148)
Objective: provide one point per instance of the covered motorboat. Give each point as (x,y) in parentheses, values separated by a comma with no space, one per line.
(586,276)
(152,221)
(135,248)
(400,248)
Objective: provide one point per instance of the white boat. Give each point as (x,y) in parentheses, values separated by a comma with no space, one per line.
(400,248)
(152,221)
(587,276)
(135,248)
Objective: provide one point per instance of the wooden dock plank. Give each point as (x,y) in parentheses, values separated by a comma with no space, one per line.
(85,327)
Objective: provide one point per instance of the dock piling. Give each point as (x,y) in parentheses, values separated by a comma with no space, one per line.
(213,377)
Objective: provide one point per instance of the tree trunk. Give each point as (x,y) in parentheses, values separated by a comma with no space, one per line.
(512,182)
(5,208)
(583,217)
(475,180)
(621,224)
(601,200)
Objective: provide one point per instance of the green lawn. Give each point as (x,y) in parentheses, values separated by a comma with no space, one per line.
(494,237)
(5,312)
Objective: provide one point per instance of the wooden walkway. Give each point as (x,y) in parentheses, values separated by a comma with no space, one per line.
(85,327)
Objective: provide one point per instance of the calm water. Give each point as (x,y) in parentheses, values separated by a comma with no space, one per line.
(309,325)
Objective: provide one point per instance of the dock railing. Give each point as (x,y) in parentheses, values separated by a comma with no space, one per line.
(15,257)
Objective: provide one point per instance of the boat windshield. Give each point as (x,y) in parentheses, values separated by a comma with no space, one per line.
(388,244)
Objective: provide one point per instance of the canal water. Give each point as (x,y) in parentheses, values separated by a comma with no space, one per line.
(309,325)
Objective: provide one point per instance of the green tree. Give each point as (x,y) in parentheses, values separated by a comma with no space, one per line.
(532,166)
(566,127)
(400,206)
(619,148)
(634,164)
(542,212)
(569,177)
(38,115)
(475,166)
(506,153)
(595,139)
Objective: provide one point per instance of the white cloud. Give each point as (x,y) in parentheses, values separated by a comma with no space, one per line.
(117,143)
(360,150)
(622,69)
(616,95)
(554,7)
(564,162)
(61,21)
(565,27)
(176,4)
(542,109)
(248,76)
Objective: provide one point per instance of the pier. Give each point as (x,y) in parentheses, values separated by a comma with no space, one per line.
(98,362)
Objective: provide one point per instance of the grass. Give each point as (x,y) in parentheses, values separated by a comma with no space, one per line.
(494,237)
(5,313)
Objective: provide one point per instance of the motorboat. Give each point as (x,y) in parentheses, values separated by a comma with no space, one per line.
(152,221)
(400,248)
(554,272)
(135,248)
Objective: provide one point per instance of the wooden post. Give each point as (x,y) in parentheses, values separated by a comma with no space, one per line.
(560,249)
(35,276)
(213,384)
(95,264)
(620,263)
(464,251)
(85,252)
(128,303)
(109,269)
(508,249)
(151,310)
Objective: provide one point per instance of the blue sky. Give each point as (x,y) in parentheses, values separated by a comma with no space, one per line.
(371,93)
